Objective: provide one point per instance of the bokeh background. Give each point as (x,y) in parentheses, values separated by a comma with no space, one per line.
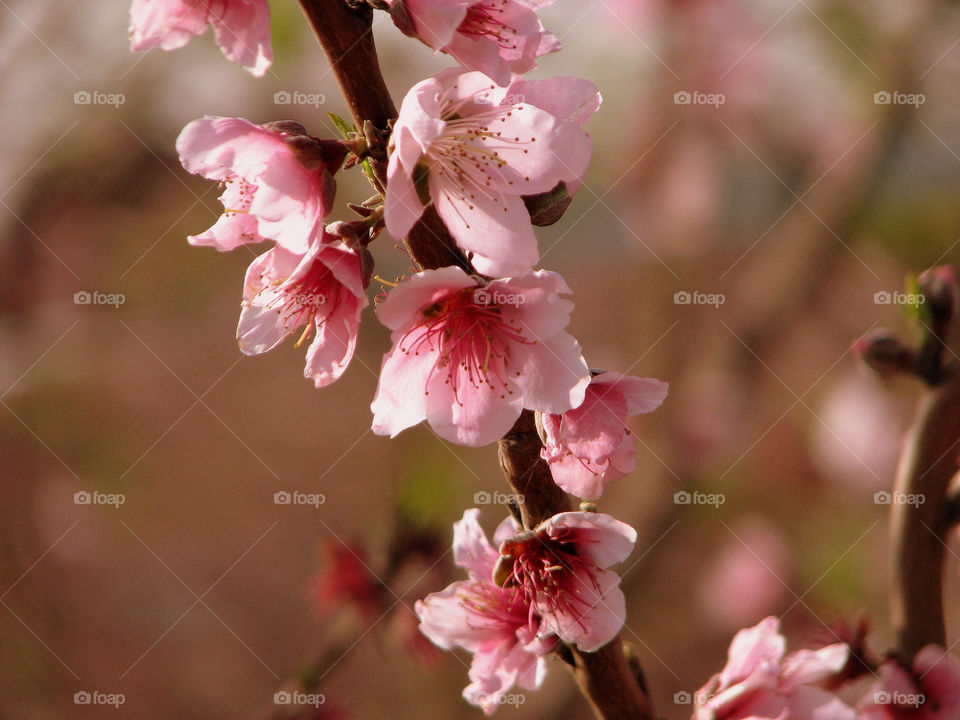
(786,194)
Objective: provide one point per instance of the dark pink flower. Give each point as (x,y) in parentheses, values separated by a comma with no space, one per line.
(929,691)
(241,27)
(496,624)
(469,357)
(561,568)
(268,193)
(499,38)
(474,150)
(319,290)
(759,683)
(590,445)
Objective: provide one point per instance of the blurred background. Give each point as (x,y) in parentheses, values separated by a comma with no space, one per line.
(766,174)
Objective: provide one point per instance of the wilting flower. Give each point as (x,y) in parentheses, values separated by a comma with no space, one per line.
(498,625)
(270,191)
(929,691)
(473,150)
(561,567)
(589,445)
(758,682)
(319,290)
(496,37)
(241,27)
(469,357)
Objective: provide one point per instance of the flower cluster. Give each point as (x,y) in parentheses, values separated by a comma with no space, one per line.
(473,346)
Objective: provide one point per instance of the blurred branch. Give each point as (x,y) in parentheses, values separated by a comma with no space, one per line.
(605,677)
(918,542)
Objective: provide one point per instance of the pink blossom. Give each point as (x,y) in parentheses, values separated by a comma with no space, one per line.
(268,193)
(561,567)
(930,691)
(474,150)
(319,290)
(241,27)
(498,625)
(468,357)
(496,37)
(759,683)
(590,445)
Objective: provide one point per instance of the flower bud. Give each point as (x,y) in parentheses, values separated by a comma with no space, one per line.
(884,353)
(939,287)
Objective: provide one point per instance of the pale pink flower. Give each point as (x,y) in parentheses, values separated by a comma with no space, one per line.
(498,625)
(320,291)
(759,683)
(473,150)
(241,27)
(561,567)
(497,37)
(590,445)
(268,192)
(930,691)
(469,357)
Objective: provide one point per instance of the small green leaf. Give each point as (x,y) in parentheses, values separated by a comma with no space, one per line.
(341,124)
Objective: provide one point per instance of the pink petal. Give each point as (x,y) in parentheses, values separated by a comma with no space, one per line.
(436,21)
(404,302)
(401,401)
(601,538)
(471,549)
(599,621)
(567,98)
(553,374)
(243,34)
(332,349)
(218,147)
(477,415)
(534,302)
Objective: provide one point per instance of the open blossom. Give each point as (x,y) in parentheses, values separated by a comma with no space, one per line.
(469,357)
(759,683)
(268,191)
(498,625)
(496,37)
(930,691)
(589,446)
(561,568)
(241,27)
(474,150)
(318,292)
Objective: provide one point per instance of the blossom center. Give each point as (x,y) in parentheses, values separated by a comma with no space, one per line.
(471,339)
(485,19)
(307,301)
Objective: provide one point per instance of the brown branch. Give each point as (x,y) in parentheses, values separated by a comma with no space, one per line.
(605,677)
(928,464)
